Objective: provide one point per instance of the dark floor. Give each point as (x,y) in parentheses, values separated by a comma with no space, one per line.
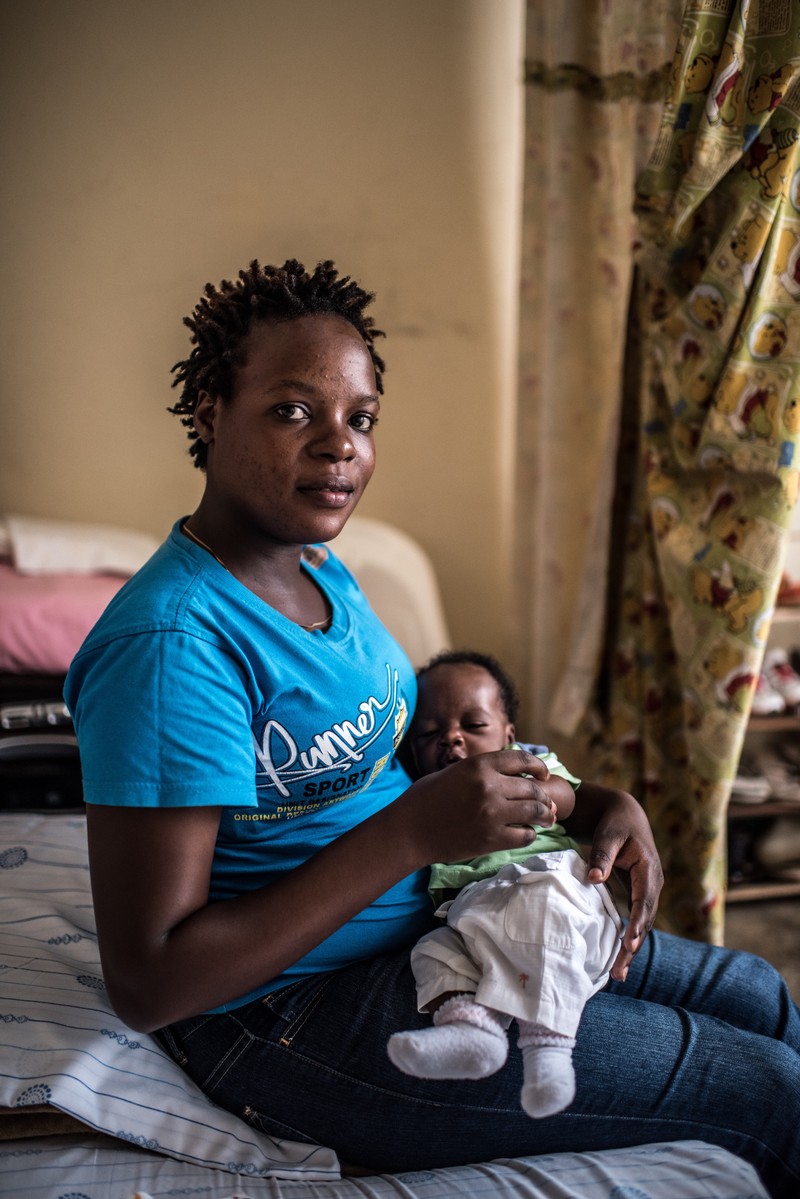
(770,928)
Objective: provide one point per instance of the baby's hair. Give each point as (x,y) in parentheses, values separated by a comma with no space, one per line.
(469,657)
(224,316)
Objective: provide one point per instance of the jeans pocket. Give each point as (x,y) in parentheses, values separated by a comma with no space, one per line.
(176,1038)
(270,1127)
(293,1005)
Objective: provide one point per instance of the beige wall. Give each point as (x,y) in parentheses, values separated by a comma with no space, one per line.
(151,146)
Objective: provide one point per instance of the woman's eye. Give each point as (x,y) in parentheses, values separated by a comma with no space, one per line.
(291,412)
(364,422)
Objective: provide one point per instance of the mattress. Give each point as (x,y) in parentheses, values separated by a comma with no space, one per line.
(66,1168)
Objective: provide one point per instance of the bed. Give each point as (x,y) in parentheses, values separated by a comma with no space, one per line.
(90,1109)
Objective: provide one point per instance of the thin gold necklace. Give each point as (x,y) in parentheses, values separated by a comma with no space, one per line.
(185,528)
(320,624)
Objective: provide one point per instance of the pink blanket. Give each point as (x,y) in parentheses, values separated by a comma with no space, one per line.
(44,618)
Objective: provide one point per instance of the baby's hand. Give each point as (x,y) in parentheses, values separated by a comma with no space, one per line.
(541,773)
(545,823)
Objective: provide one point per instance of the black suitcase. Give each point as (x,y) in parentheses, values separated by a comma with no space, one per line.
(39,763)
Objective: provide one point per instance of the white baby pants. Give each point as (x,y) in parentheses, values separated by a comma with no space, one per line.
(534,941)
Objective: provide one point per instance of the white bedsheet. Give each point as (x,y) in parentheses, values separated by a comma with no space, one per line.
(60,1168)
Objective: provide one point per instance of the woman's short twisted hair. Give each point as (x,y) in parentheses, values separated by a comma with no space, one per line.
(224,316)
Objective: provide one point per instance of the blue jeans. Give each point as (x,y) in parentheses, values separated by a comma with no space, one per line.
(699,1042)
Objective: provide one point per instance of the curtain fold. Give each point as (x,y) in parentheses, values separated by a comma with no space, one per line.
(698,439)
(595,79)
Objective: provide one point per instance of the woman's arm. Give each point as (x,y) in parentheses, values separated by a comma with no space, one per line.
(621,838)
(168,953)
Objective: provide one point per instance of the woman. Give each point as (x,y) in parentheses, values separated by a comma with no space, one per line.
(258,855)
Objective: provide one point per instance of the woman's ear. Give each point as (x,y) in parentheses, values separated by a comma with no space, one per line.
(511,732)
(204,416)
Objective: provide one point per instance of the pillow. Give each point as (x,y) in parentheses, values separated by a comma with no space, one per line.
(40,546)
(62,1045)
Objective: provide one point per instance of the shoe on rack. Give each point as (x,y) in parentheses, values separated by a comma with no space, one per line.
(782,676)
(788,592)
(794,658)
(750,785)
(780,845)
(789,750)
(741,838)
(788,873)
(766,700)
(782,777)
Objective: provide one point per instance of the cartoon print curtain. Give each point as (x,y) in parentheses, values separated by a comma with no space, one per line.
(595,77)
(656,690)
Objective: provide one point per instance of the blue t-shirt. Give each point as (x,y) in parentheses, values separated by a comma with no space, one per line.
(190,690)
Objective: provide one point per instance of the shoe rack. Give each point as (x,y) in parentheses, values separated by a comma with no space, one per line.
(754,824)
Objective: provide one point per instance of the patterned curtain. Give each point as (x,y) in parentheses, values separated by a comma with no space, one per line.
(595,79)
(673,613)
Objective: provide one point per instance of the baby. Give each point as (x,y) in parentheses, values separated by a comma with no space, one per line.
(527,938)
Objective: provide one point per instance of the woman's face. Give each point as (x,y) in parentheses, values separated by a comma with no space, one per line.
(290,453)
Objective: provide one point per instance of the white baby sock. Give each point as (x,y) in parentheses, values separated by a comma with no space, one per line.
(548,1074)
(468,1040)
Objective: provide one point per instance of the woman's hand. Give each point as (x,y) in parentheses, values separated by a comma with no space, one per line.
(622,839)
(476,806)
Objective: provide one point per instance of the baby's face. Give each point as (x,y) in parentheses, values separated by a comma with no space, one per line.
(459,714)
